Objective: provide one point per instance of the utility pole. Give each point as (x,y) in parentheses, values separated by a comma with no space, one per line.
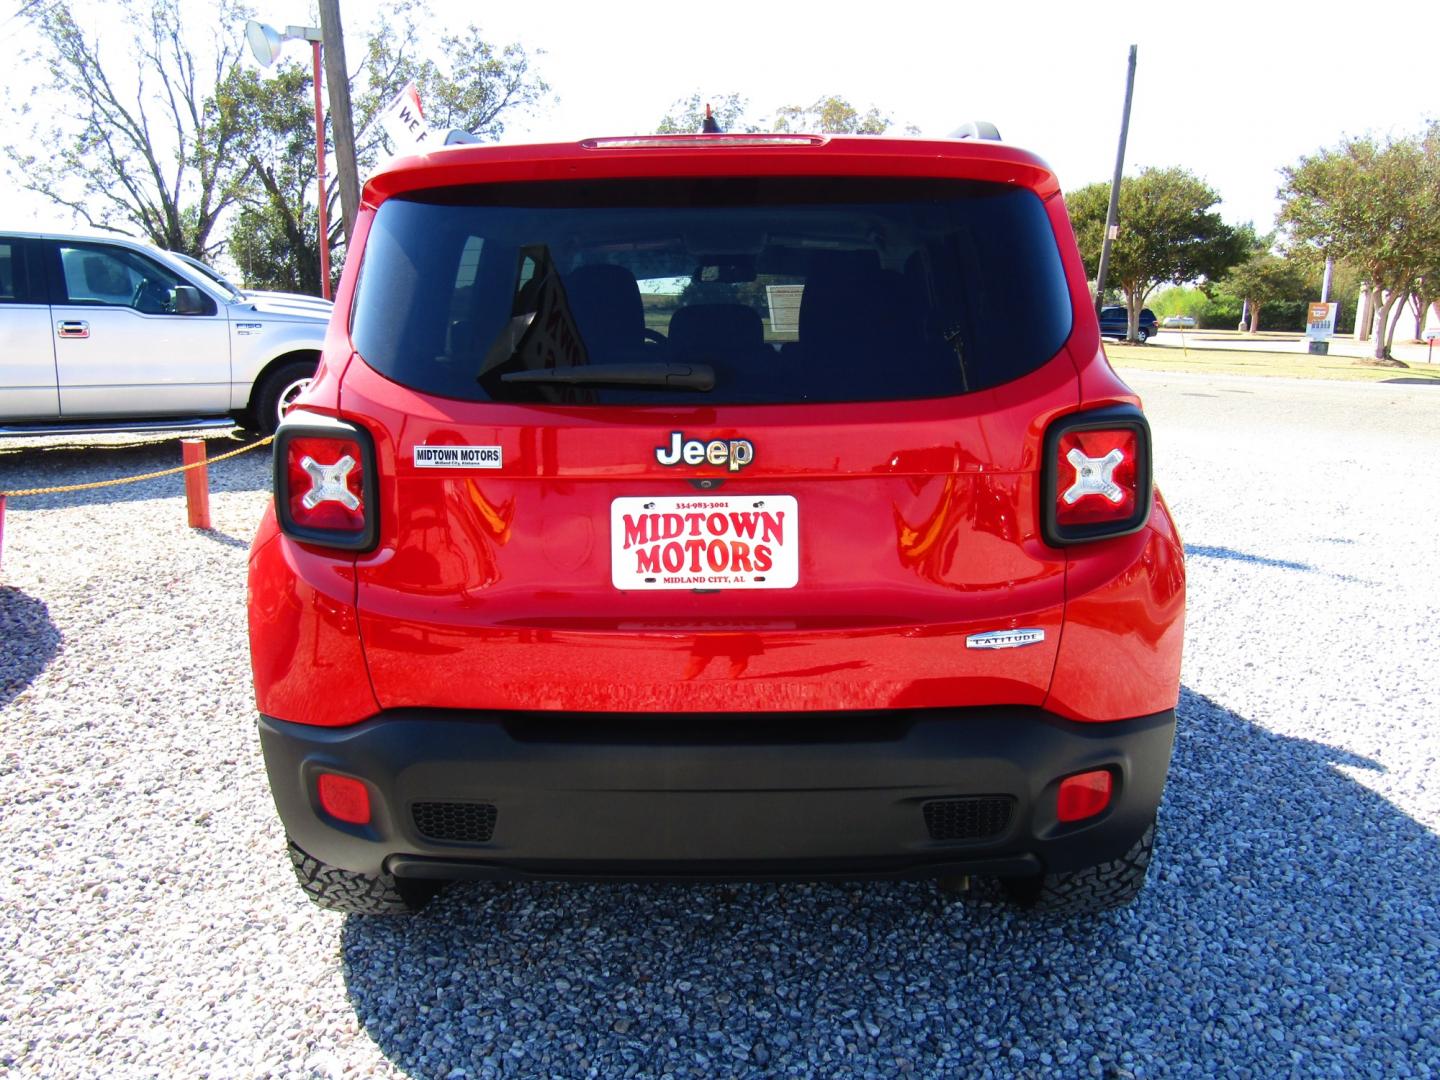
(266,42)
(340,117)
(1111,226)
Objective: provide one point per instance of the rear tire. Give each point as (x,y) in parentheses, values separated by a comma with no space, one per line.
(357,894)
(1142,335)
(278,390)
(1096,888)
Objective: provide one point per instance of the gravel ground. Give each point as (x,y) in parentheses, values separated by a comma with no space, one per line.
(150,924)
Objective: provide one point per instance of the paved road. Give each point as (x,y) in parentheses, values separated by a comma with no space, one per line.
(1265,407)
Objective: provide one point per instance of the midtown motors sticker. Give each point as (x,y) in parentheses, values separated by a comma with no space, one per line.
(679,542)
(457,457)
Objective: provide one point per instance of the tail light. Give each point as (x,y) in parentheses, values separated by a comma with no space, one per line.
(325,482)
(343,798)
(1096,476)
(1084,795)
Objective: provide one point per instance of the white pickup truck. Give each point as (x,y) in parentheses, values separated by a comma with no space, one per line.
(113,334)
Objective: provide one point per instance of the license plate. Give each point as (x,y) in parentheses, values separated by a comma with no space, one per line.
(705,542)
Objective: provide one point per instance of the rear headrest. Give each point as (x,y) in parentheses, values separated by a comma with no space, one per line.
(715,328)
(605,301)
(843,264)
(853,312)
(845,292)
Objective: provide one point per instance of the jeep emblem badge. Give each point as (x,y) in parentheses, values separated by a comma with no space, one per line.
(732,454)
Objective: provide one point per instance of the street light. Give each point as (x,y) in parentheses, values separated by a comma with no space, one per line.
(266,43)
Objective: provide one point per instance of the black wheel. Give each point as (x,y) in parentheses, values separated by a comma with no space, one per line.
(278,392)
(1096,888)
(1142,336)
(358,894)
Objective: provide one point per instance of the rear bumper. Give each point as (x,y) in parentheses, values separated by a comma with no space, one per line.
(727,796)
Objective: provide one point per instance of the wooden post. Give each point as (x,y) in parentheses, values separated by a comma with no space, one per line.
(1112,215)
(320,181)
(197,484)
(342,122)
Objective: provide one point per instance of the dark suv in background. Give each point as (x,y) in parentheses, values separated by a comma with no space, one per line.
(1115,322)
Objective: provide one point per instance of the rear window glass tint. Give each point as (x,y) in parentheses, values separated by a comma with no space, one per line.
(14,281)
(785,290)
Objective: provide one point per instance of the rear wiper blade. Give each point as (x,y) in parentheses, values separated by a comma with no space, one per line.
(667,376)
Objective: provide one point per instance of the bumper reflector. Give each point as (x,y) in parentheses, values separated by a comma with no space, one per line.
(1084,795)
(344,798)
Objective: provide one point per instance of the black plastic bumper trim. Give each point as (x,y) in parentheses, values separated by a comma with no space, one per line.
(793,795)
(412,866)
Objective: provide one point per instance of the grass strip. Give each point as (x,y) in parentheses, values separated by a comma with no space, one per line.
(1255,362)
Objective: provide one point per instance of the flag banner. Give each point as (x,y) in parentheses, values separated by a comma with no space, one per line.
(404,121)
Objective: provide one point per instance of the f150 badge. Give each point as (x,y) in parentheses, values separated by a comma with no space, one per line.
(732,454)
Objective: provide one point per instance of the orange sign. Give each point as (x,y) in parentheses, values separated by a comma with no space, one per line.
(1320,321)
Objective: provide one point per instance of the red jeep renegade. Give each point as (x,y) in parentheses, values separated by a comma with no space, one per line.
(716,507)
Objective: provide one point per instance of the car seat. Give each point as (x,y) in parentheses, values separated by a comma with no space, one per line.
(730,338)
(605,303)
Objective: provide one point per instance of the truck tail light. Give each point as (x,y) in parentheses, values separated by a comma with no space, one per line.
(325,482)
(1096,480)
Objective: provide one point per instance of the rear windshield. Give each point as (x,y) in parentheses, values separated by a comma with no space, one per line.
(714,291)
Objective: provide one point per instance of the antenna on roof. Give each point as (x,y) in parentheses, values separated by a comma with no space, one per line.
(710,126)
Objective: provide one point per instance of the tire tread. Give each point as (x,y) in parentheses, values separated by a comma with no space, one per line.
(1096,888)
(335,889)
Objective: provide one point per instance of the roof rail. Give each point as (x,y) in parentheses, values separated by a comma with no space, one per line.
(976,129)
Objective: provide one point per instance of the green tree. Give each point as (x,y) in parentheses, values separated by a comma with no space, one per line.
(468,84)
(273,237)
(687,114)
(1375,204)
(1266,278)
(1178,300)
(1425,283)
(1420,305)
(1169,233)
(121,131)
(831,115)
(464,81)
(1345,285)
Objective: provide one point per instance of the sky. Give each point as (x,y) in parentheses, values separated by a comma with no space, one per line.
(1231,91)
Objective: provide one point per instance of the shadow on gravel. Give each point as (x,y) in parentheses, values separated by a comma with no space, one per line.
(224,538)
(1205,552)
(1289,926)
(1209,552)
(26,467)
(28,641)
